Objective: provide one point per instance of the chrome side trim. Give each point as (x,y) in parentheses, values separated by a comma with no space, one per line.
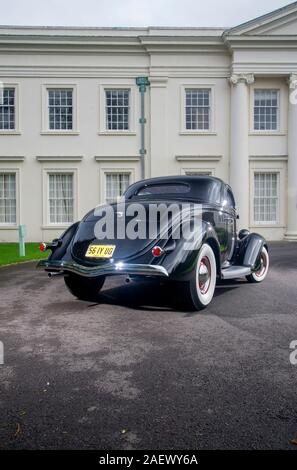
(104,270)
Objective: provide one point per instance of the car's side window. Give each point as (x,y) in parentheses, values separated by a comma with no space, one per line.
(230,202)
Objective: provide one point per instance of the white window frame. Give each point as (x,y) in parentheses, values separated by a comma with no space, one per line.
(113,172)
(212,117)
(107,170)
(278,221)
(201,171)
(45,109)
(16,171)
(262,84)
(46,210)
(266,131)
(16,130)
(102,109)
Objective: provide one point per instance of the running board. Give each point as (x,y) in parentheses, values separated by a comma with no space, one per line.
(235,271)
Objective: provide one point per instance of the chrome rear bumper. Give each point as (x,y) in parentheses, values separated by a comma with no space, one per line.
(103,270)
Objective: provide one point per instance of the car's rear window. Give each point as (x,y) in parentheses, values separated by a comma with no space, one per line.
(169,188)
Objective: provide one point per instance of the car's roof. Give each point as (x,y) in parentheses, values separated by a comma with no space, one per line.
(180,179)
(201,187)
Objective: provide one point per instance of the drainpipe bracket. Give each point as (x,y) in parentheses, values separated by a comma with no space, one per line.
(142,82)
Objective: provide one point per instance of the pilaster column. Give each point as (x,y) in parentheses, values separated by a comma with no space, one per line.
(291,233)
(239,155)
(159,126)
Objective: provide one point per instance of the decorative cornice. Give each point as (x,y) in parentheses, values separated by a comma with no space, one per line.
(190,71)
(197,158)
(76,71)
(61,41)
(253,43)
(57,158)
(12,159)
(281,14)
(93,71)
(270,158)
(158,82)
(119,158)
(112,40)
(248,78)
(265,68)
(292,81)
(182,43)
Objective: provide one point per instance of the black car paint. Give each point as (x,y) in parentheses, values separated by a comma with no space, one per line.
(249,248)
(218,229)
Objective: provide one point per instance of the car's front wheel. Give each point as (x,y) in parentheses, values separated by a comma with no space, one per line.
(262,268)
(200,289)
(84,288)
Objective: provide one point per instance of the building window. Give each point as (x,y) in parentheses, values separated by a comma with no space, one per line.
(60,198)
(60,108)
(198,109)
(7,109)
(266,198)
(7,198)
(266,110)
(117,109)
(116,185)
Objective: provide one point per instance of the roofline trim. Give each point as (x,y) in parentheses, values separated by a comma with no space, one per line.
(260,20)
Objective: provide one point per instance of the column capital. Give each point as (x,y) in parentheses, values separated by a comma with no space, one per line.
(292,81)
(247,78)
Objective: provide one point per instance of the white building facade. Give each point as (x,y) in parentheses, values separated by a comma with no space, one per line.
(220,102)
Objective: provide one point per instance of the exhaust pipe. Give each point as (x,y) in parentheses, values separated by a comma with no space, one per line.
(54,274)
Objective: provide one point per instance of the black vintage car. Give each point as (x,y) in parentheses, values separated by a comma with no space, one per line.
(181,229)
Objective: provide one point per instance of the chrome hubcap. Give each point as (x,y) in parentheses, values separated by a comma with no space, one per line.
(263,266)
(204,275)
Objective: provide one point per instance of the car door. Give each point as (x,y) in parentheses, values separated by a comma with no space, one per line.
(219,223)
(229,218)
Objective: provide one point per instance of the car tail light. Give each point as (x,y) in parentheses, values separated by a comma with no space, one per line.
(157,251)
(42,246)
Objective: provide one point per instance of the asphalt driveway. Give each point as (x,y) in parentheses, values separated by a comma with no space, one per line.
(134,372)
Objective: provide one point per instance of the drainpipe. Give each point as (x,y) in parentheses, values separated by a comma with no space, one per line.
(142,83)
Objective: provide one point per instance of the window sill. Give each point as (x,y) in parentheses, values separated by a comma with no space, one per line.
(7,132)
(268,133)
(197,133)
(9,227)
(116,133)
(59,133)
(56,226)
(267,226)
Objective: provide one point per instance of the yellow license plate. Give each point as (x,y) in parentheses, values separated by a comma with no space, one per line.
(100,251)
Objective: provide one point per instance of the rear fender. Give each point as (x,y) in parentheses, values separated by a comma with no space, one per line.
(212,239)
(250,248)
(182,262)
(64,241)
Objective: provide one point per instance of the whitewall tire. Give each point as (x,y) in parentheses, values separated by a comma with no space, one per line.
(200,289)
(261,273)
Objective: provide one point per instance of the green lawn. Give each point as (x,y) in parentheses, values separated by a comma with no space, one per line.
(9,253)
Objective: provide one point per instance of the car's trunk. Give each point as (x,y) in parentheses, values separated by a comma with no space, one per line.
(120,229)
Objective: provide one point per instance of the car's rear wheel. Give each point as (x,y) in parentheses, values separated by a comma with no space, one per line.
(84,288)
(262,268)
(200,289)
